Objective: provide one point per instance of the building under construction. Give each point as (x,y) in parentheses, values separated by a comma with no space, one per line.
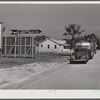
(19,44)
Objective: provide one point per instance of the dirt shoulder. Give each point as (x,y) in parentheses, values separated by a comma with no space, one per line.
(18,84)
(41,65)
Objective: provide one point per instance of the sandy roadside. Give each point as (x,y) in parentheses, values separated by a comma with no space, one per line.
(16,75)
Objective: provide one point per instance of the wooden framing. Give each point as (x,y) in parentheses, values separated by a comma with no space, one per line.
(18,46)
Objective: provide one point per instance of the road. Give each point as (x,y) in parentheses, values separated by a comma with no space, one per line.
(70,76)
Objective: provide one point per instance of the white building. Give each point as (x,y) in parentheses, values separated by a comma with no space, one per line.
(54,46)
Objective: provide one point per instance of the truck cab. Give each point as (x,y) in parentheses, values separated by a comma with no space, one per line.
(88,46)
(79,55)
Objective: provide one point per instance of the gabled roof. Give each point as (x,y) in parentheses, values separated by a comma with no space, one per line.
(59,42)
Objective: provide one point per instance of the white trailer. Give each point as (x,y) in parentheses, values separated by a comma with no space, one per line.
(84,44)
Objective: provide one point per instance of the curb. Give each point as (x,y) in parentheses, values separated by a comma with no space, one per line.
(26,81)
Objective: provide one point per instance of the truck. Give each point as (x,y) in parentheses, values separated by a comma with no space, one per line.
(82,53)
(79,55)
(89,46)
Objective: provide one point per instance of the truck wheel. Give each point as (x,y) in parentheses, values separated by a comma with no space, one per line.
(71,62)
(85,62)
(92,57)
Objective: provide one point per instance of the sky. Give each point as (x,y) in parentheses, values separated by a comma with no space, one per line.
(51,19)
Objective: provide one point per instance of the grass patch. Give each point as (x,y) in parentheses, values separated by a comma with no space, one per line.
(40,57)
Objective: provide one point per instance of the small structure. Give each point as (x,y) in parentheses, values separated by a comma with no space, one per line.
(20,43)
(53,46)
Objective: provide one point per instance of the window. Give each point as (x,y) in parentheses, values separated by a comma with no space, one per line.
(80,50)
(41,45)
(68,47)
(48,46)
(55,46)
(65,47)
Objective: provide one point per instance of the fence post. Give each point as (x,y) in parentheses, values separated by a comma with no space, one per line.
(32,47)
(6,47)
(15,45)
(25,46)
(20,45)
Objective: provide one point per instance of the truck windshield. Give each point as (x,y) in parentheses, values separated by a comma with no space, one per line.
(79,50)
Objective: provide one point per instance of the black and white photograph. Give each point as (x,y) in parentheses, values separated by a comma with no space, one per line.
(50,47)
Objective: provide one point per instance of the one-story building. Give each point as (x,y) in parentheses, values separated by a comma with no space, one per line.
(54,46)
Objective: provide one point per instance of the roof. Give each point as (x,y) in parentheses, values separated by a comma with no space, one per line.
(59,42)
(30,31)
(83,43)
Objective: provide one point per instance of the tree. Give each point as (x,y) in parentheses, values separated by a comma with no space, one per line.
(98,44)
(67,40)
(92,38)
(73,30)
(40,38)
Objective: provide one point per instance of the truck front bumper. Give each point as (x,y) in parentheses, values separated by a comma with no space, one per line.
(77,60)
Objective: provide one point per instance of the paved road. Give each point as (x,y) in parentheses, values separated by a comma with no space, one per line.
(71,76)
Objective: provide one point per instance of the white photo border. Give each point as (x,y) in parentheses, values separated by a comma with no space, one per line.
(41,94)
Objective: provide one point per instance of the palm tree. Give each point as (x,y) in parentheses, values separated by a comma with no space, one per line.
(73,30)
